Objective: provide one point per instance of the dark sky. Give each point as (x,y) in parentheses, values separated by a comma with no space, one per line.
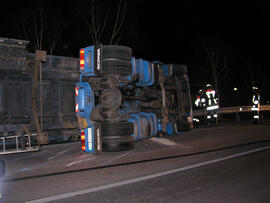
(167,31)
(158,26)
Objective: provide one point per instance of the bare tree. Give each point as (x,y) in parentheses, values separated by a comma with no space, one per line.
(120,16)
(42,32)
(54,37)
(220,66)
(101,21)
(256,74)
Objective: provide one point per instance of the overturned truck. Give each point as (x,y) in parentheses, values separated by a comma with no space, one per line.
(120,99)
(59,75)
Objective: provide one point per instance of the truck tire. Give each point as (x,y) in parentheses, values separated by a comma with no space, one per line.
(117,52)
(117,143)
(116,129)
(114,59)
(116,66)
(116,136)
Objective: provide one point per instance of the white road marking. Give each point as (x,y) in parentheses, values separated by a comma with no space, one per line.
(25,169)
(143,178)
(163,141)
(58,154)
(74,162)
(90,158)
(80,161)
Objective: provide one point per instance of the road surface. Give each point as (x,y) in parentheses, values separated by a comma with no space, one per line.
(223,164)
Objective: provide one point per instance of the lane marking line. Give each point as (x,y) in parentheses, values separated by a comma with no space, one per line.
(143,178)
(58,154)
(79,161)
(163,141)
(74,162)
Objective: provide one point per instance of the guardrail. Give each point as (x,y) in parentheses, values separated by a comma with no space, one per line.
(234,109)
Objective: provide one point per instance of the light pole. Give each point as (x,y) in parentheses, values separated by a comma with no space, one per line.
(236,91)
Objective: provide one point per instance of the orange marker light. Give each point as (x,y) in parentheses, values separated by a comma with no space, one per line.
(82,59)
(83,140)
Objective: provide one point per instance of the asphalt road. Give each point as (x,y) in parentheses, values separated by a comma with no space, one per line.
(229,164)
(244,179)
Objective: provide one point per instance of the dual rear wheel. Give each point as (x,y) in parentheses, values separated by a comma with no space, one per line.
(117,136)
(116,60)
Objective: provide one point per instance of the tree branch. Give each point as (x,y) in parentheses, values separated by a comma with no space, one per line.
(122,20)
(116,22)
(104,24)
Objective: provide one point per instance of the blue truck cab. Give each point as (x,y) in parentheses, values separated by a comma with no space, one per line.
(120,99)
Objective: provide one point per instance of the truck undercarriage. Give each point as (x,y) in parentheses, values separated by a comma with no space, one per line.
(120,99)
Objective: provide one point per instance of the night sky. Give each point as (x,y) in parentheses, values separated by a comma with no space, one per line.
(167,31)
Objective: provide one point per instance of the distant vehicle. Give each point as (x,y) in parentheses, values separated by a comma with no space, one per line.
(120,99)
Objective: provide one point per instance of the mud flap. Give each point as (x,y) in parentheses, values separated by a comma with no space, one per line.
(93,140)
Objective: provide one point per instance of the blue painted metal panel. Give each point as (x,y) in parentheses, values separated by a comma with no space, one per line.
(135,119)
(159,124)
(165,69)
(145,125)
(142,69)
(145,70)
(88,61)
(169,128)
(152,120)
(84,100)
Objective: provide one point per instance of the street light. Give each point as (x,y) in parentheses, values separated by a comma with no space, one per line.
(235,89)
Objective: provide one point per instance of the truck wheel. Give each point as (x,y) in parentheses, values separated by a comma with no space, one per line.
(117,52)
(116,129)
(116,136)
(116,66)
(115,59)
(117,143)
